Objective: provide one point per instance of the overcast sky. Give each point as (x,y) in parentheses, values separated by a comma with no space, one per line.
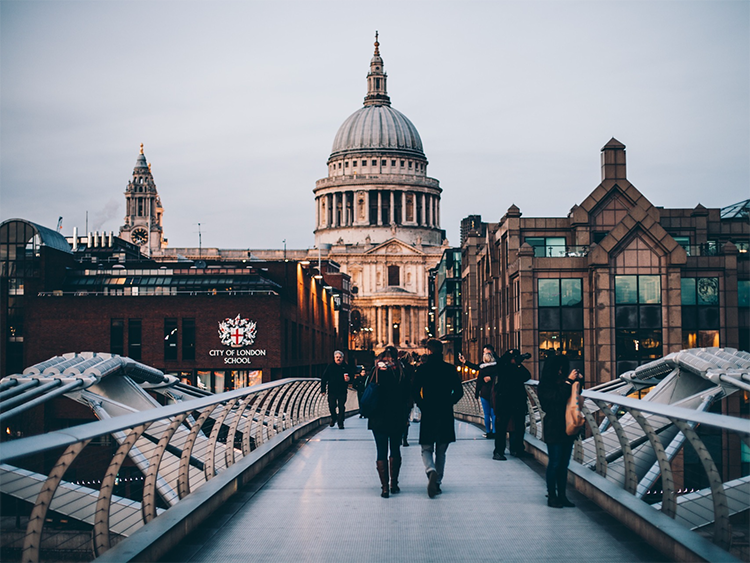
(237,104)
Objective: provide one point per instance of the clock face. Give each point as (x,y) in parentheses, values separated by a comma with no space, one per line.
(139,236)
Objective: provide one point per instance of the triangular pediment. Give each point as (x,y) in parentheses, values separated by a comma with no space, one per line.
(637,225)
(394,247)
(610,202)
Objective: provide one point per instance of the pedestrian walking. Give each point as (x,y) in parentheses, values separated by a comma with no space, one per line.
(336,380)
(437,387)
(388,422)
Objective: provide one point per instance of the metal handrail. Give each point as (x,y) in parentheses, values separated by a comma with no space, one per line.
(170,445)
(630,431)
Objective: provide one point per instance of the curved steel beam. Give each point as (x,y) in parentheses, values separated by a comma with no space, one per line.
(631,479)
(33,539)
(669,502)
(183,475)
(100,538)
(148,506)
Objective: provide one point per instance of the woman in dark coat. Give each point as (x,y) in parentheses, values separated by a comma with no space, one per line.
(388,423)
(554,391)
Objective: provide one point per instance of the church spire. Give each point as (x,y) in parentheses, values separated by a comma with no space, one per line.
(377,95)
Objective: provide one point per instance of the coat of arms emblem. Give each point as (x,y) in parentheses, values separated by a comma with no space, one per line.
(237,332)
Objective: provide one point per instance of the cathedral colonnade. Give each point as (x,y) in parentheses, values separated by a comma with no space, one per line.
(398,325)
(377,208)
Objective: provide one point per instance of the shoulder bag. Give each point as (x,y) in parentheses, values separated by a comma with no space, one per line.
(368,404)
(574,418)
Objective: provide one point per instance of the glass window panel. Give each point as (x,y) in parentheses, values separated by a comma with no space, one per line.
(708,338)
(650,316)
(743,297)
(708,291)
(626,316)
(572,344)
(626,289)
(218,382)
(549,293)
(708,317)
(650,345)
(549,319)
(572,319)
(689,318)
(548,343)
(649,289)
(626,344)
(555,246)
(204,380)
(688,291)
(571,294)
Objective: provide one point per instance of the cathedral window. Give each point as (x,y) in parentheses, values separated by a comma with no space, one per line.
(410,164)
(402,164)
(354,163)
(346,164)
(339,165)
(383,162)
(364,163)
(394,277)
(393,163)
(374,162)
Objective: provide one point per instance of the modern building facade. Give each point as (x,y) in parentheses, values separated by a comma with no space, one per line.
(446,303)
(615,284)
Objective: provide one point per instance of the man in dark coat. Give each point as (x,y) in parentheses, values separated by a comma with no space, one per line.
(437,387)
(510,403)
(336,378)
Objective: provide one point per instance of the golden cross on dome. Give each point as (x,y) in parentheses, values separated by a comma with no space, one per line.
(377,52)
(141,148)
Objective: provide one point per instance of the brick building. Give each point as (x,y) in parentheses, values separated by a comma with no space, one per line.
(217,326)
(615,284)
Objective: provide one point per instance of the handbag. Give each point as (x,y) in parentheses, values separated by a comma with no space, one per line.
(368,404)
(574,419)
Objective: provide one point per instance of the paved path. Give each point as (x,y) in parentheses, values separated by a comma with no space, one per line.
(321,503)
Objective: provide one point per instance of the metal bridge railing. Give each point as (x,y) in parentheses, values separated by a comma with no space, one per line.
(89,486)
(636,445)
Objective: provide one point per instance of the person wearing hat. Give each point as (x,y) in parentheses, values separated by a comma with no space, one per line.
(510,403)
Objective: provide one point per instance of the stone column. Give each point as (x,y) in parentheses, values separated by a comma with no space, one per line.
(367,208)
(376,314)
(403,208)
(389,339)
(437,212)
(380,208)
(422,211)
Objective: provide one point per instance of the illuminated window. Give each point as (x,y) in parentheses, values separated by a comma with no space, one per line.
(700,312)
(638,322)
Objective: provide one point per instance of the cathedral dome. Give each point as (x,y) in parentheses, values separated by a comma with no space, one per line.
(377,128)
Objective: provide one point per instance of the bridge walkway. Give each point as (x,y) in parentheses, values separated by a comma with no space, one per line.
(321,502)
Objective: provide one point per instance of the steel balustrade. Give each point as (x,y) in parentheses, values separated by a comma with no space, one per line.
(174,445)
(630,436)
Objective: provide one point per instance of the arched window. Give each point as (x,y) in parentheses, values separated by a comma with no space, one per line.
(394,275)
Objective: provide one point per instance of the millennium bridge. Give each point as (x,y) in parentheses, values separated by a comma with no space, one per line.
(170,472)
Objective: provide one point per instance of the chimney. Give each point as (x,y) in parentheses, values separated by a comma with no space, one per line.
(613,161)
(75,239)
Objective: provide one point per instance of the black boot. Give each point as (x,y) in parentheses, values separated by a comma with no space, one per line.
(552,501)
(395,465)
(383,474)
(562,485)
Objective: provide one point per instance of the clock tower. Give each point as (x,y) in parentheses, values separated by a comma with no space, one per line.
(143,210)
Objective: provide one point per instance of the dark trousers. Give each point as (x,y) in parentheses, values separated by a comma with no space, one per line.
(502,418)
(381,444)
(337,406)
(557,468)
